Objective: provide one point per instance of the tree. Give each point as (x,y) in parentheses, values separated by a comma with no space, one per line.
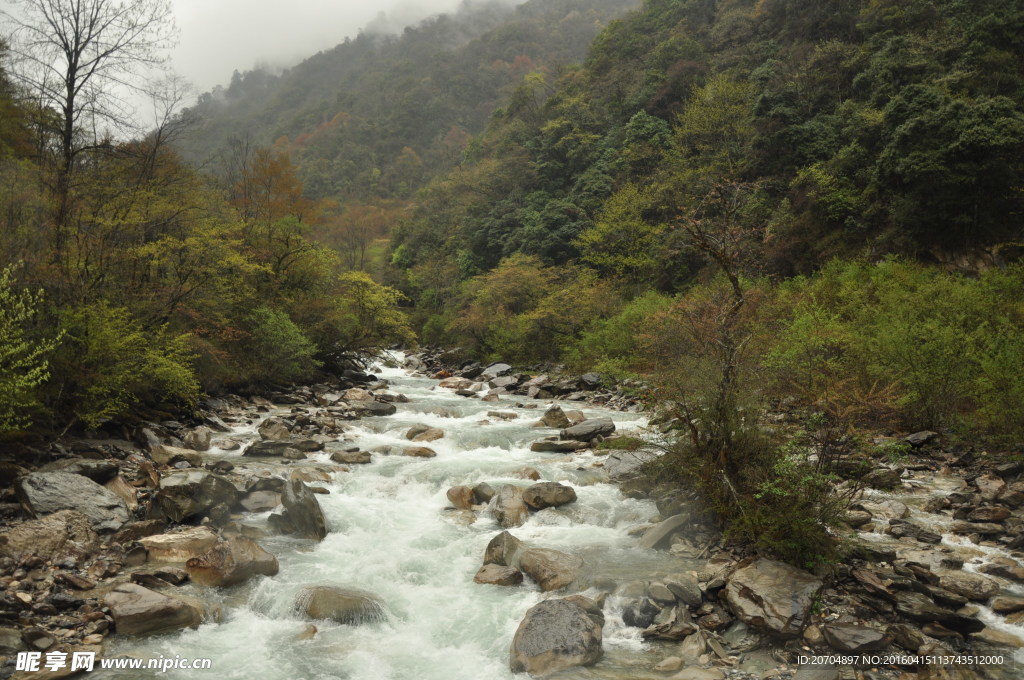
(79,56)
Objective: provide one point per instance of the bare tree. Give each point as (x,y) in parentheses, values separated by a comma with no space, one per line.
(80,58)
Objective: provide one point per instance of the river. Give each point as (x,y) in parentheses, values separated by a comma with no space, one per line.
(392,533)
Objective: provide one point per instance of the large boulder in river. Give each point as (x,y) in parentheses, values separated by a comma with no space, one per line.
(302,515)
(550,569)
(99,471)
(509,508)
(163,454)
(198,439)
(557,634)
(137,610)
(497,575)
(772,596)
(589,429)
(186,494)
(67,533)
(548,495)
(341,605)
(554,417)
(234,561)
(424,433)
(179,546)
(43,493)
(275,428)
(372,408)
(503,550)
(557,446)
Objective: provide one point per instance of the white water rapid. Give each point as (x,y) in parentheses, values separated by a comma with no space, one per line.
(390,534)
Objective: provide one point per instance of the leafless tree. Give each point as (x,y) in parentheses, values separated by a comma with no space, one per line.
(81,58)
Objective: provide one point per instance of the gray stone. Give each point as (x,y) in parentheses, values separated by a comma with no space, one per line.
(903,527)
(550,569)
(137,610)
(918,607)
(198,439)
(661,533)
(302,515)
(548,495)
(921,438)
(495,370)
(179,546)
(855,639)
(554,417)
(233,561)
(972,586)
(43,493)
(557,446)
(503,550)
(509,508)
(187,494)
(555,635)
(685,589)
(275,428)
(372,408)
(67,533)
(341,605)
(588,429)
(772,596)
(497,575)
(99,471)
(352,457)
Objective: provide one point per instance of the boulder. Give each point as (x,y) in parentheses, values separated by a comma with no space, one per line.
(461,497)
(352,457)
(233,561)
(456,383)
(44,493)
(919,439)
(685,589)
(260,501)
(503,550)
(187,494)
(198,439)
(424,433)
(972,586)
(661,533)
(550,569)
(162,454)
(137,610)
(555,635)
(588,429)
(66,533)
(855,639)
(497,575)
(557,446)
(99,471)
(989,513)
(368,409)
(419,452)
(509,508)
(904,527)
(179,546)
(483,493)
(357,394)
(302,515)
(772,596)
(275,429)
(548,495)
(920,608)
(494,370)
(341,605)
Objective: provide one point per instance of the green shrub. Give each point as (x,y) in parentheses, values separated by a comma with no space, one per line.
(613,345)
(24,364)
(109,366)
(276,350)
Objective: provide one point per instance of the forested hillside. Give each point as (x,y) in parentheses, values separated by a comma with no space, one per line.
(379,114)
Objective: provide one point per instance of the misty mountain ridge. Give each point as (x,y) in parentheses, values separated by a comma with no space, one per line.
(372,97)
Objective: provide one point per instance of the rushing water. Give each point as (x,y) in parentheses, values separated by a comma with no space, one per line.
(391,534)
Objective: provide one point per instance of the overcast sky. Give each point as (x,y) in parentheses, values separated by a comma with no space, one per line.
(220,36)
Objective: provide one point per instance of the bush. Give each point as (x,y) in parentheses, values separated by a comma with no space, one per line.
(613,345)
(23,354)
(109,366)
(276,349)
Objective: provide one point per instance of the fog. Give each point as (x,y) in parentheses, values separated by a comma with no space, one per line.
(219,36)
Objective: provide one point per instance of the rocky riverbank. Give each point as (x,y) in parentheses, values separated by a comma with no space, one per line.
(104,537)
